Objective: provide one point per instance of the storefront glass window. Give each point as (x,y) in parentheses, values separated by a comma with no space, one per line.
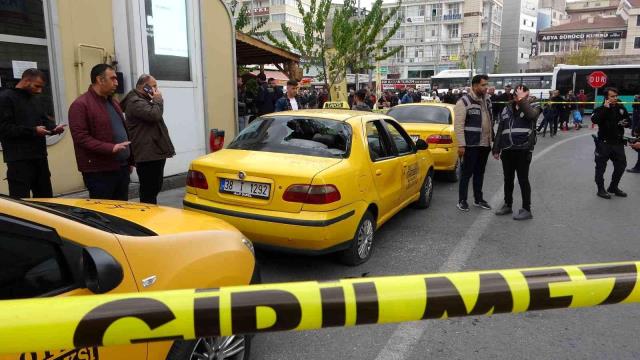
(167,40)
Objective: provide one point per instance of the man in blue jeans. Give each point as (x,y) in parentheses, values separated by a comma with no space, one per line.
(474,131)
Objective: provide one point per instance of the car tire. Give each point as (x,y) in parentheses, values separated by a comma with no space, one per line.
(361,246)
(454,175)
(426,192)
(187,350)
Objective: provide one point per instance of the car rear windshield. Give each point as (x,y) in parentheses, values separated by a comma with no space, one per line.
(421,114)
(296,135)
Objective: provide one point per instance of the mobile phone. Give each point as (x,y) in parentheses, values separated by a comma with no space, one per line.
(148,89)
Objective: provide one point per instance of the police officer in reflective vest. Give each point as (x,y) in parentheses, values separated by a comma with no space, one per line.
(611,119)
(474,131)
(515,139)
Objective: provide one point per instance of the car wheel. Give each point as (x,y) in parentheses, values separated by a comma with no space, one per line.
(426,192)
(361,246)
(235,347)
(454,175)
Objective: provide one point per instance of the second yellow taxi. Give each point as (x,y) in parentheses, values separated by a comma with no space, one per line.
(432,122)
(314,181)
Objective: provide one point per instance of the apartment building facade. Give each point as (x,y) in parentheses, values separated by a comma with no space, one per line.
(441,35)
(518,35)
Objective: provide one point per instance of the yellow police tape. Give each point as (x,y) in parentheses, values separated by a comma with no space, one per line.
(101,320)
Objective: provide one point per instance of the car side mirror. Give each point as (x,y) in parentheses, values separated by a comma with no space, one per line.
(101,271)
(421,145)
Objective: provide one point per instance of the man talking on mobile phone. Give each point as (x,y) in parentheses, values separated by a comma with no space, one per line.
(24,126)
(611,119)
(150,141)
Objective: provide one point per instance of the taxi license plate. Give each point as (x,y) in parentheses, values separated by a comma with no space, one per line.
(415,137)
(245,188)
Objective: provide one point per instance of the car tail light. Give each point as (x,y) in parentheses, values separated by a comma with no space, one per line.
(216,140)
(312,194)
(197,180)
(440,139)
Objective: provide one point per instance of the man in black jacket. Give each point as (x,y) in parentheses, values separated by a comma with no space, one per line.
(24,125)
(611,119)
(515,139)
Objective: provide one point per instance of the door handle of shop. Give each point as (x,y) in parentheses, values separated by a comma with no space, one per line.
(378,172)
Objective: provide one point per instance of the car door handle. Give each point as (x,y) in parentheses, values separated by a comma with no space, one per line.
(378,172)
(404,164)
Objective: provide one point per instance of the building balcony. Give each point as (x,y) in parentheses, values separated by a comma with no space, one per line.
(452,18)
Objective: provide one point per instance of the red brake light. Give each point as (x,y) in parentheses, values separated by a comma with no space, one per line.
(440,139)
(216,140)
(197,180)
(312,194)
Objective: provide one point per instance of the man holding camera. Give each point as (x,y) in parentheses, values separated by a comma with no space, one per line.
(611,119)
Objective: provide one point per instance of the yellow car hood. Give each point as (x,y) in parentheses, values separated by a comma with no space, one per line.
(159,219)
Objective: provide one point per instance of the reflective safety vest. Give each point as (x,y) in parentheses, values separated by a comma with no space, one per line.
(473,120)
(517,130)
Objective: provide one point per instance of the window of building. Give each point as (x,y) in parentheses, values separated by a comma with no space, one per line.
(25,41)
(280,18)
(413,74)
(277,2)
(524,22)
(415,10)
(435,11)
(636,43)
(638,20)
(521,55)
(453,30)
(454,9)
(611,44)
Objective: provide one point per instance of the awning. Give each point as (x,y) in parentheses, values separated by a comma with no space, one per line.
(252,51)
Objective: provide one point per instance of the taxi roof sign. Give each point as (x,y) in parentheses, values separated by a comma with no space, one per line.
(336,105)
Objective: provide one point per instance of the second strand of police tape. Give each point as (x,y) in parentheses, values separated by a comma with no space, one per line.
(102,320)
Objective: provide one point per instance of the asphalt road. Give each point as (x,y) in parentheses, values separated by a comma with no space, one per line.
(570,226)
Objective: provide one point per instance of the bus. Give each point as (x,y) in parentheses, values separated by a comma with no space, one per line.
(625,78)
(539,84)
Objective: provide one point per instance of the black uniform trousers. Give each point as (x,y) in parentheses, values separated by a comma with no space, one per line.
(151,175)
(474,163)
(29,176)
(615,153)
(516,162)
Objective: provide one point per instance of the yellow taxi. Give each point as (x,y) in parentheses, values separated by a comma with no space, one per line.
(70,247)
(432,122)
(313,181)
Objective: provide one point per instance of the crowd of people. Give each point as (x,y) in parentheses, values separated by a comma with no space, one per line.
(110,138)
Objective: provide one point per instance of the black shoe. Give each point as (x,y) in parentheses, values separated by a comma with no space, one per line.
(463,206)
(634,170)
(504,210)
(523,214)
(617,192)
(603,194)
(482,204)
